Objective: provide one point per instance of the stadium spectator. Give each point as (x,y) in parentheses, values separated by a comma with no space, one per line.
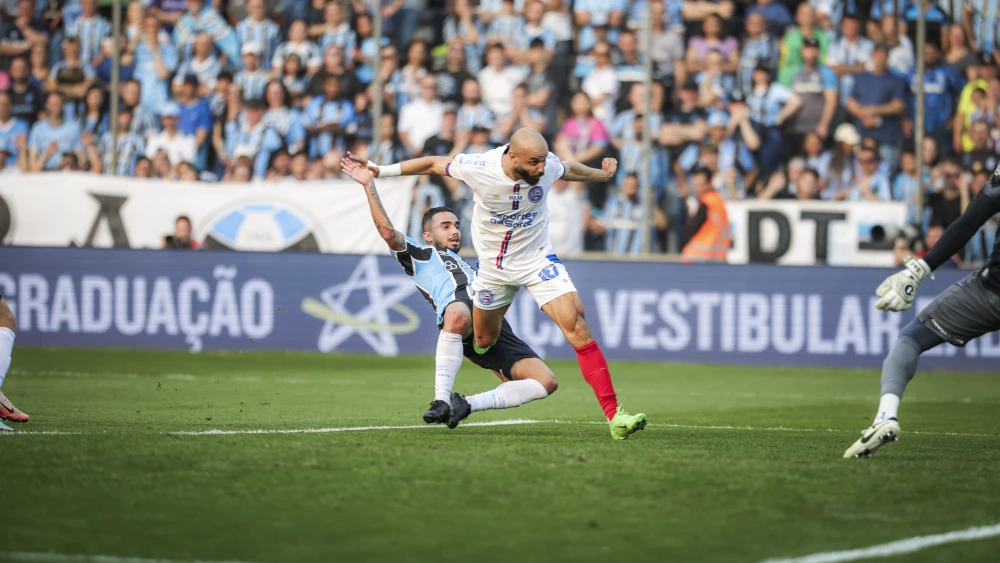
(408,80)
(327,118)
(759,47)
(283,118)
(26,98)
(25,33)
(698,10)
(333,64)
(498,80)
(90,29)
(70,76)
(181,239)
(942,86)
(472,113)
(951,194)
(52,137)
(195,117)
(390,149)
(877,104)
(712,38)
(130,147)
(260,30)
(771,104)
(178,146)
(252,79)
(850,55)
(155,60)
(200,17)
(335,30)
(594,15)
(668,45)
(299,44)
(521,115)
(868,183)
(843,163)
(791,44)
(624,218)
(815,86)
(421,118)
(775,13)
(462,26)
(569,213)
(983,154)
(906,187)
(102,63)
(93,115)
(255,138)
(715,85)
(959,56)
(901,55)
(144,121)
(601,84)
(203,65)
(817,157)
(13,131)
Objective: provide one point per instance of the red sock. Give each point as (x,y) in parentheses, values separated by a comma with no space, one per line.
(595,371)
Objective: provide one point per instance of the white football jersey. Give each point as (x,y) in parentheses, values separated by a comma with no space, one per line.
(510,220)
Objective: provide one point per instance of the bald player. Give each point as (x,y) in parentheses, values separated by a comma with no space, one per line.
(510,232)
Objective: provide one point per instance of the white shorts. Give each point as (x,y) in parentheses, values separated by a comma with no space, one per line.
(546,278)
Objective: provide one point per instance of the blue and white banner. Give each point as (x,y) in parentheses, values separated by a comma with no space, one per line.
(754,314)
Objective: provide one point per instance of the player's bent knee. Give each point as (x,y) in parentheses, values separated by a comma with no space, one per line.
(457,319)
(7,318)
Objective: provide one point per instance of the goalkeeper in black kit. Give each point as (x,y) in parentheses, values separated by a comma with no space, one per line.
(968,309)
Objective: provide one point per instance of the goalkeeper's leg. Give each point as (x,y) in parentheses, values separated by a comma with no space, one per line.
(898,369)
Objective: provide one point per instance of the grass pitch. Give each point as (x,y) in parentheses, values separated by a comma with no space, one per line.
(748,469)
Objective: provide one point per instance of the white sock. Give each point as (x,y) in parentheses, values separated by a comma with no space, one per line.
(888,407)
(508,395)
(6,347)
(447,362)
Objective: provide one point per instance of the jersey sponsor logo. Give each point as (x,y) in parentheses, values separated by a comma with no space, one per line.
(512,220)
(516,197)
(535,194)
(484,296)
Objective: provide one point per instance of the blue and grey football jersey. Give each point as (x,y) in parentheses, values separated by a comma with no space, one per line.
(441,275)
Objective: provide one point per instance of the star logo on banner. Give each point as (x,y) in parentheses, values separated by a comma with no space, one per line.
(372,322)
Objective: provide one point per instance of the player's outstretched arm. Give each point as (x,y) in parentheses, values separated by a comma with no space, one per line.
(361,175)
(415,167)
(576,172)
(898,291)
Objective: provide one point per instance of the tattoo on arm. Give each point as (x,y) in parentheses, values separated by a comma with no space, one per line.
(391,236)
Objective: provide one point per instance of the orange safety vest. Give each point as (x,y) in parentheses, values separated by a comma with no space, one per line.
(712,241)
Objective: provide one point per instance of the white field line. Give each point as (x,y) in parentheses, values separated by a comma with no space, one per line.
(899,547)
(506,422)
(345,428)
(67,558)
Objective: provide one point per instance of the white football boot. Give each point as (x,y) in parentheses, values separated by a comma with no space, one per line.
(874,438)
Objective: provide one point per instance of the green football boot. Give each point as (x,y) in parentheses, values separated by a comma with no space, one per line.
(624,424)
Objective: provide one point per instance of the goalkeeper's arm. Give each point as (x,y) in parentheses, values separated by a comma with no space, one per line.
(415,167)
(958,234)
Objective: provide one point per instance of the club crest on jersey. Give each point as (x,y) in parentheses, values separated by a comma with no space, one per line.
(484,296)
(535,194)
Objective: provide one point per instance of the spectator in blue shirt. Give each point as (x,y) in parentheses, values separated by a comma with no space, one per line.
(624,217)
(869,183)
(155,61)
(252,79)
(202,18)
(327,118)
(876,102)
(590,14)
(102,64)
(195,117)
(13,131)
(770,104)
(248,134)
(52,137)
(758,47)
(90,28)
(258,29)
(776,13)
(942,87)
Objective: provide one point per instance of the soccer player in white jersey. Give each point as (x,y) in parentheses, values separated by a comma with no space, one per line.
(510,235)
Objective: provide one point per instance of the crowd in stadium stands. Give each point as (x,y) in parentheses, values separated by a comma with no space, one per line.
(808,100)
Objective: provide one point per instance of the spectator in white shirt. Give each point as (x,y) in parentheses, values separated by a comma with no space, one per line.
(498,81)
(421,118)
(602,84)
(178,147)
